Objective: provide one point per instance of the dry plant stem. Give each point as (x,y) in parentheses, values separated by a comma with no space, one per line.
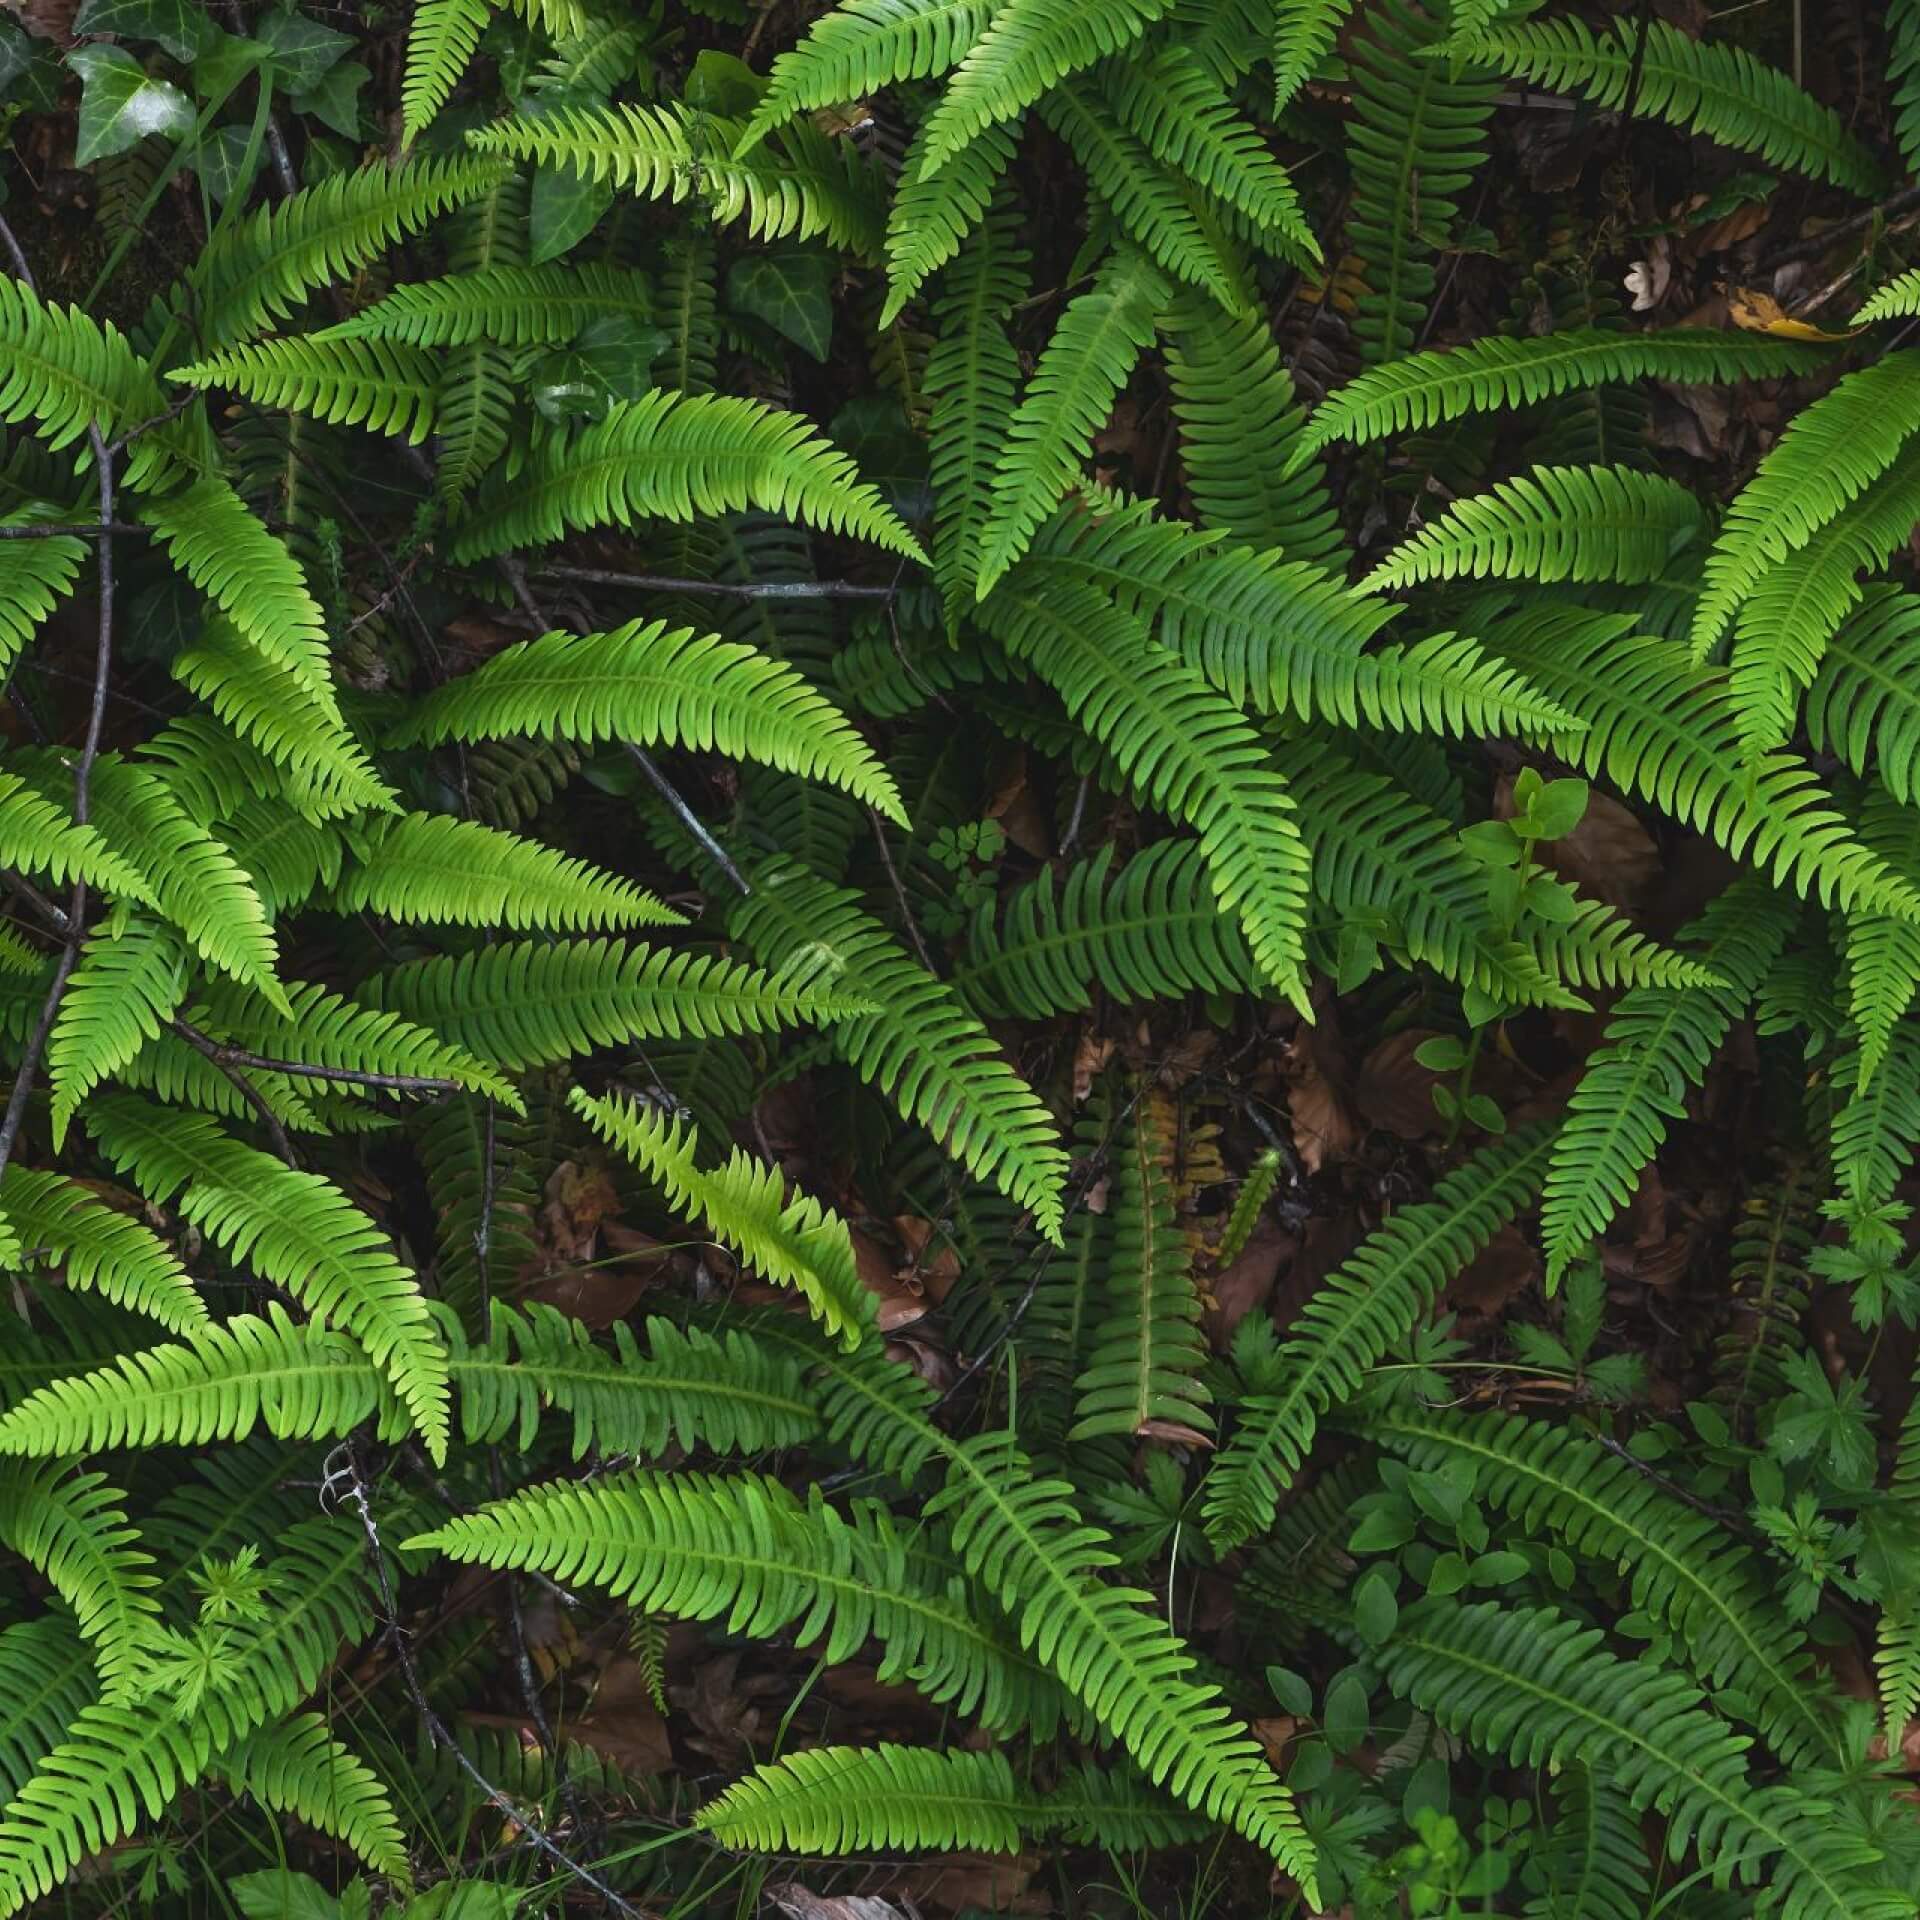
(223,1055)
(436,1728)
(729,589)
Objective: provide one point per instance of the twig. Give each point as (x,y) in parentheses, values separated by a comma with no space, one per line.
(730,589)
(686,815)
(436,1728)
(84,530)
(276,140)
(1673,1487)
(223,1055)
(1905,201)
(899,892)
(263,1110)
(1072,834)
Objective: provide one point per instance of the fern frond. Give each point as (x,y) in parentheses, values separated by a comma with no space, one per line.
(1882,952)
(1831,452)
(38,834)
(1876,1126)
(1428,389)
(99,1249)
(1303,35)
(1147,1356)
(1668,733)
(648,683)
(1029,46)
(972,376)
(1899,299)
(46,1688)
(1533,1685)
(518,306)
(73,1529)
(929,220)
(1377,1297)
(1593,1861)
(1185,750)
(861,46)
(1234,401)
(1152,205)
(673,456)
(1658,1046)
(127,984)
(746,1551)
(1100,336)
(293,1228)
(1187,121)
(527,1005)
(1682,1567)
(428,867)
(35,576)
(1555,523)
(441,38)
(257,270)
(796,185)
(796,1242)
(1721,91)
(298,1767)
(1864,704)
(382,385)
(937,1063)
(837,1800)
(1417,136)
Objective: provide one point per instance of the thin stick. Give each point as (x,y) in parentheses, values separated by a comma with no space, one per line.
(899,892)
(223,1055)
(686,815)
(729,589)
(86,530)
(263,1111)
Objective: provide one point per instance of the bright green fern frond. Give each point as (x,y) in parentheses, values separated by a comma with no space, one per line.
(837,1800)
(1029,46)
(428,867)
(674,456)
(248,573)
(99,1249)
(1100,336)
(1667,732)
(1896,1666)
(516,305)
(73,1529)
(298,1767)
(1683,1567)
(1303,35)
(936,1062)
(746,1551)
(1143,1371)
(1187,120)
(1721,91)
(383,385)
(258,269)
(35,576)
(1234,401)
(929,220)
(1150,202)
(528,1005)
(1555,523)
(1530,1684)
(649,683)
(1185,750)
(319,1028)
(38,834)
(861,46)
(1881,951)
(1427,389)
(1377,1297)
(794,1241)
(127,984)
(292,1227)
(441,39)
(1899,299)
(1864,704)
(1876,1125)
(795,185)
(1831,452)
(972,376)
(1658,1046)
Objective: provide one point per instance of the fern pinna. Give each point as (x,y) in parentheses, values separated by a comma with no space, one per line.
(964,862)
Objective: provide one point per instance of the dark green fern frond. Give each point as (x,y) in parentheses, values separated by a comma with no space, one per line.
(1100,336)
(1721,91)
(930,220)
(1377,1297)
(1428,389)
(299,1768)
(1555,523)
(1864,704)
(648,683)
(1303,35)
(1185,750)
(1658,1046)
(673,456)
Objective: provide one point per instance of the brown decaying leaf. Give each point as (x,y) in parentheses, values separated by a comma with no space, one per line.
(1504,1269)
(1324,1129)
(1248,1283)
(1394,1092)
(802,1903)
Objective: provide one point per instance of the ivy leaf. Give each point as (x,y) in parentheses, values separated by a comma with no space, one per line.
(335,102)
(121,103)
(791,289)
(565,208)
(224,61)
(221,159)
(303,51)
(177,25)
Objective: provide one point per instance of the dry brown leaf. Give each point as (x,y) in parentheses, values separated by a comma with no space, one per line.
(1090,1056)
(1247,1284)
(1503,1269)
(622,1724)
(1323,1127)
(1394,1092)
(1757,312)
(990,1882)
(802,1903)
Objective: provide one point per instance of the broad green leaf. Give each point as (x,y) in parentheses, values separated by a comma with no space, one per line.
(791,289)
(180,26)
(121,103)
(566,207)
